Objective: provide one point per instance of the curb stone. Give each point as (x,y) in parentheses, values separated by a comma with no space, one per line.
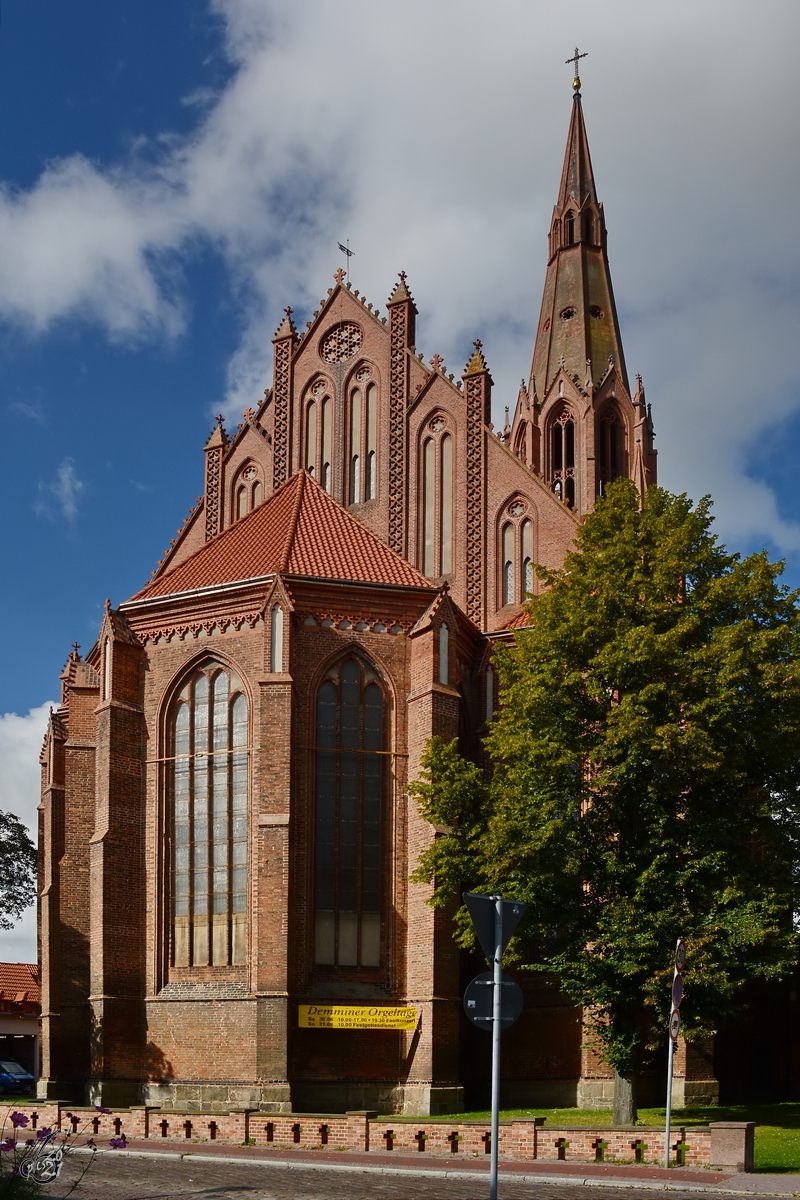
(554,1178)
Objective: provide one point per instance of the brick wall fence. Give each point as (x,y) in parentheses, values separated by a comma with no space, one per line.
(721,1144)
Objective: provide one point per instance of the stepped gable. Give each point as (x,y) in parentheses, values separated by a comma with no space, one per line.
(298,530)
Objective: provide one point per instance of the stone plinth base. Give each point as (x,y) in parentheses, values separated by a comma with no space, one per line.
(193,1096)
(699,1093)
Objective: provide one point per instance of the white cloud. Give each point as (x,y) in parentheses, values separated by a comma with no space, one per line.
(20,742)
(64,489)
(431,136)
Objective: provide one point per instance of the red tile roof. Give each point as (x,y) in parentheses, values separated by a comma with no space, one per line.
(19,982)
(518,621)
(298,530)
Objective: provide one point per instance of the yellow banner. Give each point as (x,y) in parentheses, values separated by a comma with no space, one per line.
(356,1016)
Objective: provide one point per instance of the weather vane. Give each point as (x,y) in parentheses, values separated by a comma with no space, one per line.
(576,83)
(348,253)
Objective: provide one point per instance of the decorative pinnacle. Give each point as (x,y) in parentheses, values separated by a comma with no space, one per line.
(576,83)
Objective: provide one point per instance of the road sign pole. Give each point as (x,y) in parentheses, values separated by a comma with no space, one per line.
(667,1127)
(674,1030)
(496,1025)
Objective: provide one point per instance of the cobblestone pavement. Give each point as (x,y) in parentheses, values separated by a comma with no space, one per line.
(124,1176)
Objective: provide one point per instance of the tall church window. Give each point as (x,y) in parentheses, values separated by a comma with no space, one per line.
(311,438)
(444,654)
(526,538)
(437,500)
(508,571)
(363,444)
(569,229)
(326,472)
(371,478)
(446,505)
(276,639)
(318,456)
(588,228)
(490,696)
(350,785)
(562,457)
(429,507)
(609,446)
(355,447)
(209,820)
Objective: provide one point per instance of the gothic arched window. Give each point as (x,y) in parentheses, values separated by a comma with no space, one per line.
(311,438)
(444,655)
(363,444)
(318,456)
(588,228)
(527,557)
(247,490)
(350,776)
(610,441)
(508,564)
(569,229)
(562,457)
(209,820)
(437,500)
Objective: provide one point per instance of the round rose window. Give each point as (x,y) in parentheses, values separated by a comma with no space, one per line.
(341,343)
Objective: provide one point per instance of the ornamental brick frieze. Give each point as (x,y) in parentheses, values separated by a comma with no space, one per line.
(353,622)
(186,631)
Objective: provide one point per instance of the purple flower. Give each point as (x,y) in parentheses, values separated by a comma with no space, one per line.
(18,1118)
(16,1169)
(100,1108)
(118,1143)
(8,1145)
(43,1134)
(91,1143)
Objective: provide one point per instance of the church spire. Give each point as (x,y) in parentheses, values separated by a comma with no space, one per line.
(578,321)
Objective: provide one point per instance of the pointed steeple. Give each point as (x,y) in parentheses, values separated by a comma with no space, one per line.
(578,320)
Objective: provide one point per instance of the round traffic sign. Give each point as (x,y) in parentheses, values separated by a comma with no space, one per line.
(677,991)
(680,956)
(479,1001)
(674,1025)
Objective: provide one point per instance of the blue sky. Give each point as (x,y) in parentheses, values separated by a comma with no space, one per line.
(174,173)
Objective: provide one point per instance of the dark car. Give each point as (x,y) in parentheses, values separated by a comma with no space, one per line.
(14,1078)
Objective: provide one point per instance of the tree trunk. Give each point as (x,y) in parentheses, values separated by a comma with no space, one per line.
(625,1111)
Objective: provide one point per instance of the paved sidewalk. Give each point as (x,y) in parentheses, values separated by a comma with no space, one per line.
(614,1175)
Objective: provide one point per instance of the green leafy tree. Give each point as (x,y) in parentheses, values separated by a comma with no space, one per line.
(17,870)
(646,762)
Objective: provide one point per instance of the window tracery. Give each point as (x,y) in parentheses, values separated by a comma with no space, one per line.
(561,457)
(437,499)
(247,491)
(349,801)
(610,446)
(208,729)
(363,440)
(318,451)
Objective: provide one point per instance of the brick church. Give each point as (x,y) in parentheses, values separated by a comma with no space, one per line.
(225,827)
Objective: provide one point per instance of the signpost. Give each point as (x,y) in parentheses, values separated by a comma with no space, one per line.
(495,920)
(674,1030)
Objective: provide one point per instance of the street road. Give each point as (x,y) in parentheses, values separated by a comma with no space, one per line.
(123,1176)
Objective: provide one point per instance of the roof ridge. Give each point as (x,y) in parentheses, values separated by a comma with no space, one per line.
(218,537)
(292,527)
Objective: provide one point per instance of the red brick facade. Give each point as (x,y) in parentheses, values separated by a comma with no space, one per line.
(366,513)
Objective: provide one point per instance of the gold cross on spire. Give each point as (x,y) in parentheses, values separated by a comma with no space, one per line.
(576,83)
